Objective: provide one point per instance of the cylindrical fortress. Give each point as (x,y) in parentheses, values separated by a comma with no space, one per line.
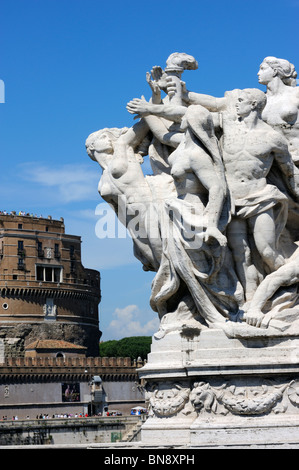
(46,293)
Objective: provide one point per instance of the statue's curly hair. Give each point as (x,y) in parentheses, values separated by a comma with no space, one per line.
(285,70)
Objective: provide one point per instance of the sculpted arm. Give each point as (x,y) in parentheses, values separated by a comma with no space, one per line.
(284,276)
(289,171)
(173,113)
(168,111)
(161,132)
(125,144)
(205,172)
(209,102)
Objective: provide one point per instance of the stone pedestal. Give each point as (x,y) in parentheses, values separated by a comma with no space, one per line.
(206,389)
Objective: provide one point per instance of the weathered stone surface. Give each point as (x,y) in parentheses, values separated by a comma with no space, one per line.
(217,221)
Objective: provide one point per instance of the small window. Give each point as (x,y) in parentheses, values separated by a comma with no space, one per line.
(47,229)
(40,251)
(39,273)
(56,251)
(15,276)
(48,274)
(21,251)
(57,274)
(5,306)
(20,226)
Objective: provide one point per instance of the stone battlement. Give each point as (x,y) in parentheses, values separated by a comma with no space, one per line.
(55,369)
(71,362)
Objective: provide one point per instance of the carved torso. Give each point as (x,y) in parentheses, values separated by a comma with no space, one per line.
(247,158)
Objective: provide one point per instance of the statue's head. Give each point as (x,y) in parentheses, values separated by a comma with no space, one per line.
(251,99)
(102,141)
(272,67)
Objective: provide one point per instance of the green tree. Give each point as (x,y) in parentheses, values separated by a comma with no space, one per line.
(108,348)
(133,347)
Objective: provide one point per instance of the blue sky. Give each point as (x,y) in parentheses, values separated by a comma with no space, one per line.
(69,68)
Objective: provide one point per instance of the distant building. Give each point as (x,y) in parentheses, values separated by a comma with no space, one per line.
(45,292)
(32,385)
(54,348)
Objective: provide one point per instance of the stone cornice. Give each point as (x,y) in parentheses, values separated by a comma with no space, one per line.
(74,293)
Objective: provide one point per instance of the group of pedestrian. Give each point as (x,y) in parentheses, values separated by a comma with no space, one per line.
(22,213)
(5,418)
(46,416)
(62,415)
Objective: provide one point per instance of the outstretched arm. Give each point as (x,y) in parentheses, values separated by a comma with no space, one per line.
(168,111)
(211,103)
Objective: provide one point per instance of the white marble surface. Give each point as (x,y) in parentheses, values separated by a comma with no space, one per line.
(217,220)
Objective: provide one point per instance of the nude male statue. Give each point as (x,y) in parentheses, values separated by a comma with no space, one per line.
(249,149)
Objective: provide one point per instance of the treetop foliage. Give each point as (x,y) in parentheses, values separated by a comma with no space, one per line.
(133,347)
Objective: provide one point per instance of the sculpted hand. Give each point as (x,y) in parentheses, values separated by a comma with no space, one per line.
(159,76)
(254,317)
(184,89)
(185,92)
(153,84)
(213,232)
(138,106)
(171,87)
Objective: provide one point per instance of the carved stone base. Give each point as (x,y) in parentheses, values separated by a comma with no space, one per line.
(212,390)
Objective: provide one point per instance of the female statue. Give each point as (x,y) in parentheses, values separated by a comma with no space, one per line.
(282,108)
(124,186)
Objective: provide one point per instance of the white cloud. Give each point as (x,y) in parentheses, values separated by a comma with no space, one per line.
(130,321)
(72,182)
